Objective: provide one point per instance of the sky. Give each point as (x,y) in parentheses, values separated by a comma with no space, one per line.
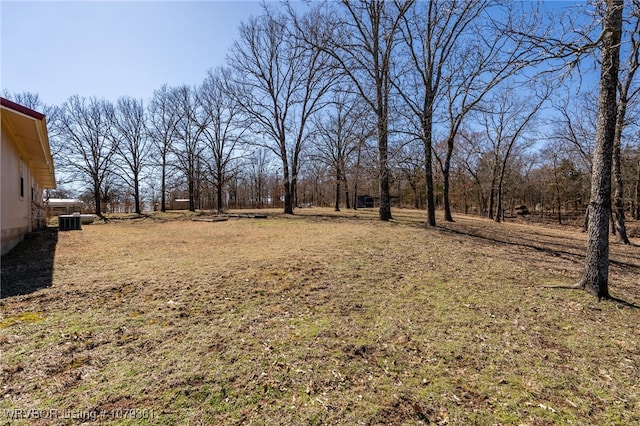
(109,49)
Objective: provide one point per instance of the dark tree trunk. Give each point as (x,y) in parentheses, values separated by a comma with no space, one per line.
(491,201)
(97,198)
(431,203)
(446,176)
(337,206)
(286,178)
(558,199)
(385,198)
(445,195)
(288,199)
(559,203)
(219,194)
(294,195)
(637,215)
(347,199)
(499,207)
(136,195)
(612,223)
(356,175)
(618,190)
(163,185)
(427,133)
(595,278)
(192,203)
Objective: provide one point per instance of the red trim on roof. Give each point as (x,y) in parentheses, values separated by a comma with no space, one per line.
(21,109)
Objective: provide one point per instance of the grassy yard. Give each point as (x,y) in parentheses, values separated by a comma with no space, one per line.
(320,318)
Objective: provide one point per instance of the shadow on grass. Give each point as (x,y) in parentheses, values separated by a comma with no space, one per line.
(575,257)
(578,258)
(623,303)
(29,266)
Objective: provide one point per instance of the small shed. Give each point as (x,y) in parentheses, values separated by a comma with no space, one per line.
(180,204)
(366,201)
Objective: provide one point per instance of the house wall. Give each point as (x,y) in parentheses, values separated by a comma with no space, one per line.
(17,217)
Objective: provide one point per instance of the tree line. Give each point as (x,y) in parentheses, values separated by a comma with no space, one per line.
(464,104)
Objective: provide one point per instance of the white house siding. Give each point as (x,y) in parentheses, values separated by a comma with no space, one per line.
(16,207)
(26,169)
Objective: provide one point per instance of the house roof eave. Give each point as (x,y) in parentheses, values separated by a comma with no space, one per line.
(29,129)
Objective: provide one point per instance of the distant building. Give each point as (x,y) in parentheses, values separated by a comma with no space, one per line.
(367,202)
(26,170)
(58,206)
(179,204)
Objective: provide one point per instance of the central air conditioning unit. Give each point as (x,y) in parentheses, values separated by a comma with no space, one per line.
(69,222)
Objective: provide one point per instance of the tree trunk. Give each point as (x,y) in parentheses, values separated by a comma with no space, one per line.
(385,198)
(294,195)
(491,200)
(286,178)
(558,199)
(219,195)
(192,202)
(431,204)
(612,223)
(428,162)
(446,176)
(288,199)
(499,205)
(559,203)
(97,198)
(337,206)
(163,184)
(618,192)
(638,193)
(356,175)
(595,278)
(136,195)
(585,226)
(347,199)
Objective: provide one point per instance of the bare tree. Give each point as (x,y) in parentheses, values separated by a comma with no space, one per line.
(626,93)
(28,99)
(85,126)
(361,37)
(575,128)
(595,278)
(340,129)
(636,214)
(284,83)
(451,52)
(260,167)
(431,35)
(133,144)
(222,127)
(408,160)
(163,118)
(188,143)
(472,157)
(506,119)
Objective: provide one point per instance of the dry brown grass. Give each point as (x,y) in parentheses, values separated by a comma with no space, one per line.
(324,318)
